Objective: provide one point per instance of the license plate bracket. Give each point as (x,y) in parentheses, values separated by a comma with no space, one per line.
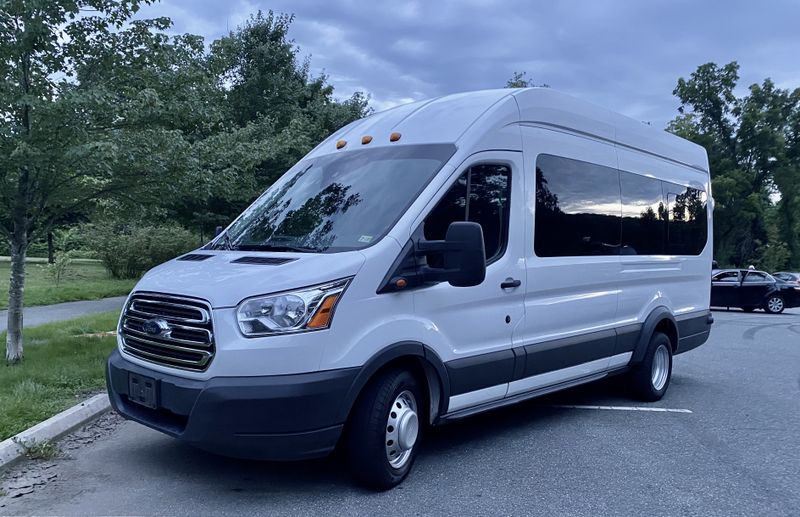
(142,390)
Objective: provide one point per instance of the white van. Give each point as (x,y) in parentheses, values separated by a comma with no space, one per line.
(423,264)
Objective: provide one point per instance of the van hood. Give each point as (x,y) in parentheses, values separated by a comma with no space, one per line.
(215,276)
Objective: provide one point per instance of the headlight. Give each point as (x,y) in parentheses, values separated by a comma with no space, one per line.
(291,311)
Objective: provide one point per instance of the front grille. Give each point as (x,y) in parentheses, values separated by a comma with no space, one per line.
(184,339)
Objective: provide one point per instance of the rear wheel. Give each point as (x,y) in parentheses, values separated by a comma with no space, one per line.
(650,379)
(774,304)
(384,430)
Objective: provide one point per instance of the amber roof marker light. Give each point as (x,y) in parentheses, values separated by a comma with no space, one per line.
(394,137)
(341,143)
(366,139)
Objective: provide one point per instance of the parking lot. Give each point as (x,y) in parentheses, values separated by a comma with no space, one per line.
(733,449)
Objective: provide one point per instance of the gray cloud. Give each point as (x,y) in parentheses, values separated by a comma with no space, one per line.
(624,55)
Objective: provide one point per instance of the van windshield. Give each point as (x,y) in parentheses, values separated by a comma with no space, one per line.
(339,202)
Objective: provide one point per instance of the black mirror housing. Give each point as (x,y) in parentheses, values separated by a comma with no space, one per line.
(465,258)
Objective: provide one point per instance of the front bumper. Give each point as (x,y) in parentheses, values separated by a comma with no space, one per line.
(276,417)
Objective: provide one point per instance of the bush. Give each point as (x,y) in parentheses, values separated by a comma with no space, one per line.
(58,269)
(128,250)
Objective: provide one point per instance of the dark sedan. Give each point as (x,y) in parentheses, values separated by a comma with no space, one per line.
(749,290)
(789,278)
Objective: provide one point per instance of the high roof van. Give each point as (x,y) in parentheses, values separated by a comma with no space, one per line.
(424,264)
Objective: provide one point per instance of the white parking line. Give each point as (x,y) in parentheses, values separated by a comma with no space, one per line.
(627,408)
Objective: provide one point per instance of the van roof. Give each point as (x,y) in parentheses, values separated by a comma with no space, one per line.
(451,118)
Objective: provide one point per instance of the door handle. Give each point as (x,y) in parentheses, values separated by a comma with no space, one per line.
(510,283)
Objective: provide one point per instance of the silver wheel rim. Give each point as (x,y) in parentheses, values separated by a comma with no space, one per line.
(775,304)
(402,429)
(660,369)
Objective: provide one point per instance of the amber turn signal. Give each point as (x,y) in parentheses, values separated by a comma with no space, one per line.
(394,137)
(322,318)
(366,139)
(341,143)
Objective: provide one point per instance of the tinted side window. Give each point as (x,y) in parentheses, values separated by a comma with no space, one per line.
(480,195)
(643,215)
(727,276)
(687,227)
(577,208)
(753,277)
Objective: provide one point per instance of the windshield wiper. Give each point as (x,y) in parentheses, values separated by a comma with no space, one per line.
(275,247)
(224,242)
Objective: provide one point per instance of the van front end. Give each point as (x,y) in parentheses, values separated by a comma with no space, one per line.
(219,378)
(275,417)
(226,347)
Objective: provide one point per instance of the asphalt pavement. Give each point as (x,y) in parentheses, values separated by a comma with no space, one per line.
(42,314)
(733,449)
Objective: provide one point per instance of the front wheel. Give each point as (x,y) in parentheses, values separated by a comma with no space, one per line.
(774,304)
(650,378)
(384,430)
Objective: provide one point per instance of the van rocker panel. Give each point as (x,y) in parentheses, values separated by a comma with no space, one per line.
(277,417)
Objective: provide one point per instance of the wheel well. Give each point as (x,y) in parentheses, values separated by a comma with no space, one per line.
(666,326)
(425,374)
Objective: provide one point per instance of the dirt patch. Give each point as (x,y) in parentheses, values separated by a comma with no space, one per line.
(28,475)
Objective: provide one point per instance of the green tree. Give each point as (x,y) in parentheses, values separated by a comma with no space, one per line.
(275,112)
(754,155)
(520,80)
(66,145)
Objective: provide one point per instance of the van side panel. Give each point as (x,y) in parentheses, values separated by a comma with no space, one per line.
(678,282)
(566,296)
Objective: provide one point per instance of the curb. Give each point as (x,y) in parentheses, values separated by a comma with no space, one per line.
(52,428)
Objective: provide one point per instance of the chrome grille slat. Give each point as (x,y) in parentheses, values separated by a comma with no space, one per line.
(209,335)
(139,333)
(204,315)
(188,343)
(161,359)
(155,344)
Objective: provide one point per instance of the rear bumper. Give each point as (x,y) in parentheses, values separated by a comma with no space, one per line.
(279,417)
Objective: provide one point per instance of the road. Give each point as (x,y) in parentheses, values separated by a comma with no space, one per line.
(736,453)
(41,314)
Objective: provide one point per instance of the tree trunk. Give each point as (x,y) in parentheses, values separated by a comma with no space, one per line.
(16,288)
(19,235)
(51,252)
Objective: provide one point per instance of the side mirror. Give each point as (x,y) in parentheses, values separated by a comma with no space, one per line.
(461,260)
(218,230)
(465,258)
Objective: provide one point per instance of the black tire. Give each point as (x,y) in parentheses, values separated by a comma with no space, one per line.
(774,304)
(365,440)
(641,377)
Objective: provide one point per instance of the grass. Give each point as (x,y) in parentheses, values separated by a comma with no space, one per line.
(45,450)
(60,369)
(84,280)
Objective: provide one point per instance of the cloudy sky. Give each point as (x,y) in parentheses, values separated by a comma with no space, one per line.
(623,54)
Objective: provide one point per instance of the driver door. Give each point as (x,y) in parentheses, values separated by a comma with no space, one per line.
(472,326)
(725,287)
(754,289)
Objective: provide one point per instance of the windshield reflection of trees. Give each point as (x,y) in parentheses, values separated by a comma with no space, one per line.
(309,225)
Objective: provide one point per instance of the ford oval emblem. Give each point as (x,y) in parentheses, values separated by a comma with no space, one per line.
(156,327)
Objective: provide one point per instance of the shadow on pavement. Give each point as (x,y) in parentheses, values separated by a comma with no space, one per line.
(162,456)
